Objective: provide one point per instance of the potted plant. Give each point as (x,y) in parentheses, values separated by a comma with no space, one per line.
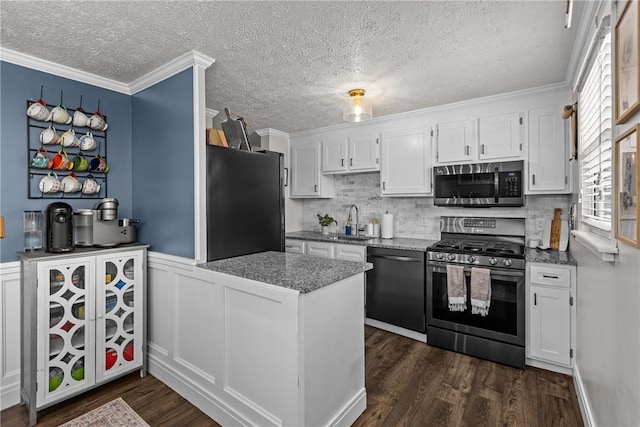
(325,221)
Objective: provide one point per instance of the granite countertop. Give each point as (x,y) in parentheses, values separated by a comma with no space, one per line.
(375,242)
(42,254)
(549,257)
(303,273)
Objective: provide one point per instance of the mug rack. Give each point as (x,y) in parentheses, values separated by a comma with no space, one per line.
(34,175)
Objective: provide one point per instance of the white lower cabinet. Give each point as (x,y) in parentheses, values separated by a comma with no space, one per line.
(551,313)
(83,322)
(327,250)
(294,246)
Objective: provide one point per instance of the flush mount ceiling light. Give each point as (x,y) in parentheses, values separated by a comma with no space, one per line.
(356,108)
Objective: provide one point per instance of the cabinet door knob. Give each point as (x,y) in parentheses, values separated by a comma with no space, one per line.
(533,179)
(342,162)
(535,299)
(351,162)
(315,188)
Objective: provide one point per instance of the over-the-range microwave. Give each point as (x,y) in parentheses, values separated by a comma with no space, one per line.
(479,184)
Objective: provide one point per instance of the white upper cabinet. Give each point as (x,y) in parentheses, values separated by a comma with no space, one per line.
(307,180)
(489,138)
(334,155)
(355,153)
(455,141)
(501,136)
(406,163)
(547,152)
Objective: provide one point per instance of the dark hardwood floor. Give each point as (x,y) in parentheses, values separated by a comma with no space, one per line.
(408,383)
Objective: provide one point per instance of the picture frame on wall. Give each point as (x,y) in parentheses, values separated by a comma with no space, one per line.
(627,187)
(627,54)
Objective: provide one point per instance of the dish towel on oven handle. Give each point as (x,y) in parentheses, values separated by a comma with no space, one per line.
(456,288)
(480,291)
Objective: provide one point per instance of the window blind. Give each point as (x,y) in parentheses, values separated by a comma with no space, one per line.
(595,124)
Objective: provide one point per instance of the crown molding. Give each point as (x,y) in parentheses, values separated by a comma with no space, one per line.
(171,68)
(59,70)
(210,114)
(554,87)
(272,132)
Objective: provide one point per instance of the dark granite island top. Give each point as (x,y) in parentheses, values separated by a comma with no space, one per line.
(303,273)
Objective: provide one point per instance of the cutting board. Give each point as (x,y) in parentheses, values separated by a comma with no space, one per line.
(556,226)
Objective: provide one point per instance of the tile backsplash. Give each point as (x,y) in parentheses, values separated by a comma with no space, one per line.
(415,217)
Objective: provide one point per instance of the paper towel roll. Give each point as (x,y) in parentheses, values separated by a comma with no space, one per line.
(387,226)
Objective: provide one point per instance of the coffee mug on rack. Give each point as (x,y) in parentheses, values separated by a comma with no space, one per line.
(79,163)
(88,142)
(70,183)
(98,165)
(69,139)
(49,136)
(60,161)
(38,110)
(97,122)
(90,185)
(49,183)
(40,160)
(80,119)
(59,114)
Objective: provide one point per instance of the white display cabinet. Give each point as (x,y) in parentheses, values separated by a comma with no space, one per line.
(82,321)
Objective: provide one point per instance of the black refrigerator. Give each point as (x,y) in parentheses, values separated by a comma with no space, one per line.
(245,202)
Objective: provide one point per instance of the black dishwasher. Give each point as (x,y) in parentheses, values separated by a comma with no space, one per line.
(396,287)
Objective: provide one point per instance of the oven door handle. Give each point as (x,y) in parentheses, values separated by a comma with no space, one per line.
(397,258)
(467,271)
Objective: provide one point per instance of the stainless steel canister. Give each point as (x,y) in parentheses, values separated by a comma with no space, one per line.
(108,208)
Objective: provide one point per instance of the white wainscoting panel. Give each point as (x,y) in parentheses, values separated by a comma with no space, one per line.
(10,338)
(195,325)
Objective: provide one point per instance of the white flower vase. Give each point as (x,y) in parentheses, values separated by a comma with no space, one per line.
(325,230)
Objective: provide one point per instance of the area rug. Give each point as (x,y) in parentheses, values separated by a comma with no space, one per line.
(113,414)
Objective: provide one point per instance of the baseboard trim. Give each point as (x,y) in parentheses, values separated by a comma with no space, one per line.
(583,399)
(206,403)
(396,330)
(352,410)
(549,366)
(9,395)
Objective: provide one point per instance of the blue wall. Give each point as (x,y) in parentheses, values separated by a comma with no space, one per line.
(163,165)
(17,85)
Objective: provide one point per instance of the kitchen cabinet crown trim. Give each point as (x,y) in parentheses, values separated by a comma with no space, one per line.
(439,108)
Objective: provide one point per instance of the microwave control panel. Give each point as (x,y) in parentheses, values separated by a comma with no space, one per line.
(510,184)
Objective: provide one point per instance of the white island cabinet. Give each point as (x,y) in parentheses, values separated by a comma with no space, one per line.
(269,339)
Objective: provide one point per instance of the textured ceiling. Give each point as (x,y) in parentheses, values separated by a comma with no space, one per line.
(289,65)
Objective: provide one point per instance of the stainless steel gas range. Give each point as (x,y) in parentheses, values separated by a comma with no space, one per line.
(489,248)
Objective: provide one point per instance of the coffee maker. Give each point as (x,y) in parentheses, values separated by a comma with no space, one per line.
(59,217)
(101,226)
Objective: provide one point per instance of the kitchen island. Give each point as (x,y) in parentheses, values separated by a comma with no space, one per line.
(266,339)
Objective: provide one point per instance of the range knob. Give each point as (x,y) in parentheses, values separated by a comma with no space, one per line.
(471,259)
(439,256)
(507,262)
(451,257)
(493,261)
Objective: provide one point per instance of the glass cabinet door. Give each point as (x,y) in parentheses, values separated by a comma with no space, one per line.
(119,314)
(65,359)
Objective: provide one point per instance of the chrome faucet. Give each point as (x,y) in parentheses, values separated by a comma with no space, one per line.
(354,225)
